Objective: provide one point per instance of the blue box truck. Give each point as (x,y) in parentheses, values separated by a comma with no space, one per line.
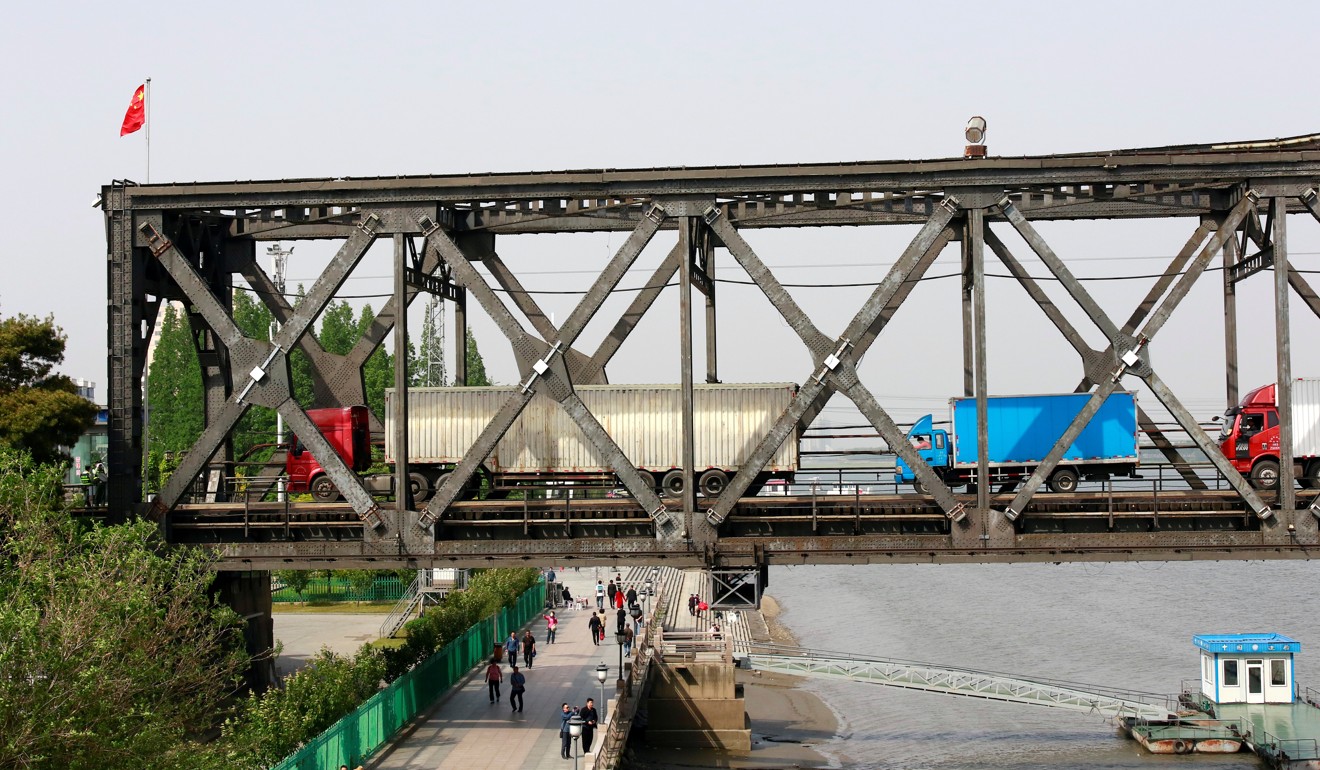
(1022,430)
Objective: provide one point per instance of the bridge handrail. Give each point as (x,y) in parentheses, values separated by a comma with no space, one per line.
(402,608)
(1155,699)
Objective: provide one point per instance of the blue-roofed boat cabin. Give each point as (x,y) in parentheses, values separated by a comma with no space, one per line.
(1247,668)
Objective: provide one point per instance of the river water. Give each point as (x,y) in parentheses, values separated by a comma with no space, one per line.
(1126,625)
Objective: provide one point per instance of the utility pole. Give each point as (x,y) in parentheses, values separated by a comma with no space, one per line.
(279,258)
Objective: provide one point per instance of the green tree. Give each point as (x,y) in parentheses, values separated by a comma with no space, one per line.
(174,392)
(297,579)
(39,411)
(361,581)
(476,365)
(112,650)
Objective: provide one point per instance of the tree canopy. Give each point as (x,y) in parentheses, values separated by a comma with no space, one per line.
(39,411)
(112,649)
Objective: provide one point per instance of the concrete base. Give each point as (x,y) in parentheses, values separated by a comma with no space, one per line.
(697,705)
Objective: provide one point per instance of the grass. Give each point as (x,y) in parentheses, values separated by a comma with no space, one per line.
(338,608)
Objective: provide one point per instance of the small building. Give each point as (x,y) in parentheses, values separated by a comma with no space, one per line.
(1247,668)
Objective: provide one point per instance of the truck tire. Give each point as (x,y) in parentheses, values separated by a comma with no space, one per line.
(672,484)
(713,483)
(918,487)
(1312,478)
(323,490)
(1063,480)
(1265,474)
(420,488)
(648,479)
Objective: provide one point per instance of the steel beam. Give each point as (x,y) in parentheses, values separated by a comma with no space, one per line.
(687,239)
(712,340)
(579,366)
(976,250)
(833,360)
(1230,325)
(548,372)
(1283,357)
(641,302)
(402,483)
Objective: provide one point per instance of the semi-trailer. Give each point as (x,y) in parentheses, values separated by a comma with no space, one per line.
(1021,430)
(545,446)
(1250,437)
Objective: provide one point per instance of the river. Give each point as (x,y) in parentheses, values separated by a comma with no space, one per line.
(1126,625)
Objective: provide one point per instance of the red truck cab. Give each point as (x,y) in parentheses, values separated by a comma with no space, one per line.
(349,431)
(1250,441)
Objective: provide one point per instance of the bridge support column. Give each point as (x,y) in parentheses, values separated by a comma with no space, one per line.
(248,593)
(697,704)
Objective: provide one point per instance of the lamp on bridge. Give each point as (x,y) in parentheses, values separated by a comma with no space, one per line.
(975,133)
(619,639)
(602,673)
(575,731)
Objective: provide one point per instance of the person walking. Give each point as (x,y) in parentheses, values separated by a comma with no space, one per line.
(588,716)
(628,637)
(702,607)
(493,678)
(551,624)
(529,648)
(602,625)
(600,596)
(517,685)
(565,739)
(610,591)
(692,604)
(511,648)
(631,595)
(621,620)
(618,600)
(594,624)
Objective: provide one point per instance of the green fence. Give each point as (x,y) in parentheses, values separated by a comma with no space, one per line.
(385,588)
(355,737)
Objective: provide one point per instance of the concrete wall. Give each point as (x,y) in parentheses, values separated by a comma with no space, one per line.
(699,705)
(248,593)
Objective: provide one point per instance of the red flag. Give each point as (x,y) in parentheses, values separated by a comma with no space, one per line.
(137,112)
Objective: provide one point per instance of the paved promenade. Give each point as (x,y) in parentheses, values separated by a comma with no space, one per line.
(466,731)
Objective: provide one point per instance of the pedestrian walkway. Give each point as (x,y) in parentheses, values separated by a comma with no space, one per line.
(466,731)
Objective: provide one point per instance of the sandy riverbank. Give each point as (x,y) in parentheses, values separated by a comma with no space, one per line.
(787,722)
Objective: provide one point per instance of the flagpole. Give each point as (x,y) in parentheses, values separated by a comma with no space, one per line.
(146,98)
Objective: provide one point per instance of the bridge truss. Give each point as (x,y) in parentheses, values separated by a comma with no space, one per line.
(187,242)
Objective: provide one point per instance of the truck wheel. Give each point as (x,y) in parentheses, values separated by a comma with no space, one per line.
(323,490)
(1312,478)
(672,483)
(420,488)
(648,479)
(918,487)
(713,483)
(1265,474)
(1063,480)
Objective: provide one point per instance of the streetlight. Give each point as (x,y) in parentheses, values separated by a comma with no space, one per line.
(575,731)
(602,673)
(620,638)
(975,133)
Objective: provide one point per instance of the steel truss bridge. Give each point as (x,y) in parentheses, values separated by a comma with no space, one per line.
(187,242)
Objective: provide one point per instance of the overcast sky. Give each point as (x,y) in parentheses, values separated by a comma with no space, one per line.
(329,89)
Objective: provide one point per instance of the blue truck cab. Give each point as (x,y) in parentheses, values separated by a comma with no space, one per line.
(1022,430)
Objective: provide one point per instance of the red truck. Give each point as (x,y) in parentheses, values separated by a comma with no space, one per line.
(349,432)
(1250,438)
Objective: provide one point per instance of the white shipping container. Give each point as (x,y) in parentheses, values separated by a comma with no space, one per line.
(1306,417)
(644,420)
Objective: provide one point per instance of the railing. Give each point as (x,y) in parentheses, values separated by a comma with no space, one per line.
(696,645)
(382,588)
(402,609)
(646,652)
(374,723)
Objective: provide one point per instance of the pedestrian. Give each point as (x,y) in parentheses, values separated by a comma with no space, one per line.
(511,648)
(628,637)
(551,623)
(99,477)
(600,596)
(621,620)
(565,739)
(618,600)
(602,625)
(517,685)
(631,596)
(692,604)
(594,624)
(588,716)
(493,678)
(529,648)
(610,591)
(702,607)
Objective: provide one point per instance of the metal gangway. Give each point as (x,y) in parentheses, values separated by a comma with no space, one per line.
(925,677)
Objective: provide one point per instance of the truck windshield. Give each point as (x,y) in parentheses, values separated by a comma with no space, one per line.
(920,441)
